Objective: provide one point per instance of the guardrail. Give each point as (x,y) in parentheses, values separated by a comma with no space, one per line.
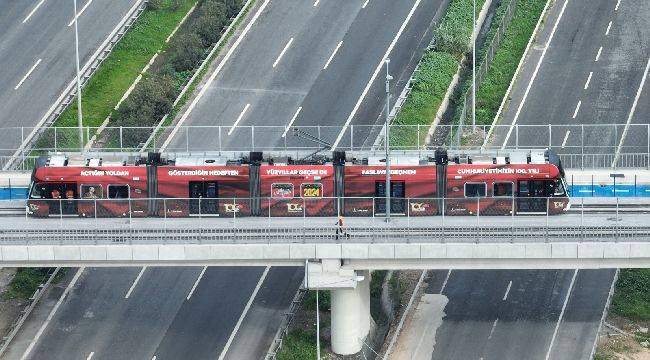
(314,220)
(570,140)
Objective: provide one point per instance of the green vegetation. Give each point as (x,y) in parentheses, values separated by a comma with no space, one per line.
(324,303)
(25,282)
(152,97)
(128,58)
(429,87)
(503,67)
(437,69)
(632,296)
(299,345)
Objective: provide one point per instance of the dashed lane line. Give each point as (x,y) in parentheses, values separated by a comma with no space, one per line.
(33,11)
(28,73)
(284,50)
(241,116)
(80,12)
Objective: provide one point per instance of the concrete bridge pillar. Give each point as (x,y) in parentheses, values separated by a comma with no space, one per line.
(350,303)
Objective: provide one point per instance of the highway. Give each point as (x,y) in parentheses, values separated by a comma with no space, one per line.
(517,315)
(588,66)
(277,64)
(312,73)
(37,55)
(553,81)
(169,313)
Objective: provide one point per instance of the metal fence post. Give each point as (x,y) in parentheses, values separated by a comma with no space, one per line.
(55,139)
(547,209)
(351,137)
(582,219)
(582,146)
(220,145)
(550,135)
(478,219)
(253,138)
(121,139)
(512,220)
(443,220)
(187,139)
(516,136)
(647,158)
(616,222)
(165,214)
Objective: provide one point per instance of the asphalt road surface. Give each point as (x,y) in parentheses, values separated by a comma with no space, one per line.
(519,314)
(37,55)
(561,72)
(170,313)
(294,67)
(588,67)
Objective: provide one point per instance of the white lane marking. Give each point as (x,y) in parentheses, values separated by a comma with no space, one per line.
(286,47)
(243,314)
(79,13)
(365,3)
(559,320)
(494,325)
(631,114)
(28,73)
(608,27)
(600,50)
(575,112)
(241,115)
(444,283)
(196,283)
(135,282)
(336,49)
(216,72)
(295,115)
(51,315)
(617,4)
(33,10)
(532,80)
(90,356)
(588,79)
(316,3)
(154,357)
(505,296)
(566,137)
(374,75)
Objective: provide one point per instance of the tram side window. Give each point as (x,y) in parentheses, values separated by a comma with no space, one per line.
(37,191)
(475,189)
(91,191)
(502,189)
(118,191)
(282,190)
(558,188)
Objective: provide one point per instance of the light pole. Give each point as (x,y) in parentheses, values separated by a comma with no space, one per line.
(387,142)
(317,328)
(79,116)
(474,66)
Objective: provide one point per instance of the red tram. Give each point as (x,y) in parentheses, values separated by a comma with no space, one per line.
(251,185)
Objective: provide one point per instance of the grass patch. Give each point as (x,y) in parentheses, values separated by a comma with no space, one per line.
(123,65)
(632,296)
(429,87)
(25,282)
(507,57)
(299,345)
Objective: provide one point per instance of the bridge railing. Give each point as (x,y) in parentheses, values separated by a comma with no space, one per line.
(292,220)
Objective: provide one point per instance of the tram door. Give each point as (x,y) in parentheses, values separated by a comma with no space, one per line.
(397,194)
(532,196)
(204,197)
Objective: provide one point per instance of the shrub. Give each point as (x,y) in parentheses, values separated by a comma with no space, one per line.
(208,26)
(185,52)
(148,103)
(455,31)
(164,4)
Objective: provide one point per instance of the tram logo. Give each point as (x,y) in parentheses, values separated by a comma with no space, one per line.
(558,204)
(294,208)
(419,207)
(232,208)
